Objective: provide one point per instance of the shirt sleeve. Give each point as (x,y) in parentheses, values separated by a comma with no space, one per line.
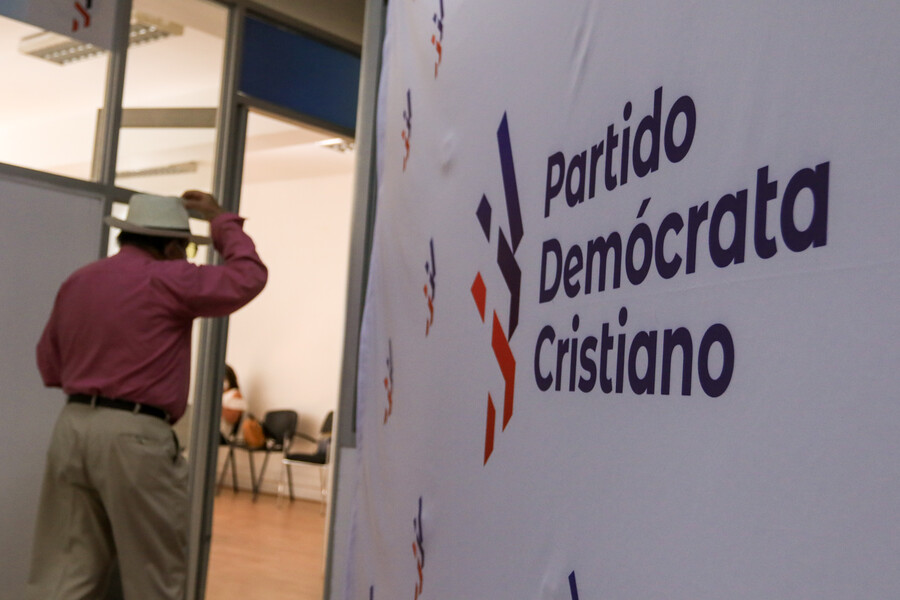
(218,290)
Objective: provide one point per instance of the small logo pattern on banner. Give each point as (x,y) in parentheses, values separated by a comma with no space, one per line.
(431,271)
(419,550)
(437,38)
(406,134)
(82,19)
(389,382)
(512,275)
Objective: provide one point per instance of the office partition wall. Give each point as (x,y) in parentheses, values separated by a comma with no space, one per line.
(46,233)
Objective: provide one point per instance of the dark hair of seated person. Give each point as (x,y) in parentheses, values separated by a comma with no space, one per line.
(230,377)
(152,243)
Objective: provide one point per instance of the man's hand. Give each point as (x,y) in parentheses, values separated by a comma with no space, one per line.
(201,205)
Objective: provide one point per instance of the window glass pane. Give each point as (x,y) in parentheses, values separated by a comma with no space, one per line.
(48,110)
(171,95)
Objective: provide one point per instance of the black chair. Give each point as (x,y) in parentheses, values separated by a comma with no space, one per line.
(319,459)
(279,427)
(231,442)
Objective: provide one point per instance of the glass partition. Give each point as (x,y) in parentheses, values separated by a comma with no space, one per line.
(171,96)
(53,89)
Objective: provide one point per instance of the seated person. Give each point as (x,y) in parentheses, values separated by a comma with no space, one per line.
(233,406)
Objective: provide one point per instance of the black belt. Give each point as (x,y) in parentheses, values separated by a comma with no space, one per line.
(119,404)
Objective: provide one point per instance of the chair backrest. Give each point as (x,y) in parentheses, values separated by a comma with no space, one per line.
(326,424)
(280,425)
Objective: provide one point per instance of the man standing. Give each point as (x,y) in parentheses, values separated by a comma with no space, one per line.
(118,344)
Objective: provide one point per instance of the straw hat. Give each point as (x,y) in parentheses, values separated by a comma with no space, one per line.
(159,216)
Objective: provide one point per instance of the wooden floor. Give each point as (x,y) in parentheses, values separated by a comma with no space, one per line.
(268,549)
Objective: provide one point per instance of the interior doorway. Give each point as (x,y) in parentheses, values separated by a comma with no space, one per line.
(286,346)
(296,195)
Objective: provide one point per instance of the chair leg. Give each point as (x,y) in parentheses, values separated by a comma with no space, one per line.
(253,475)
(281,484)
(234,487)
(229,460)
(323,483)
(221,477)
(290,481)
(262,473)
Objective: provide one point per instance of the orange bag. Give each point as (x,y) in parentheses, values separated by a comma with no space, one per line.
(252,431)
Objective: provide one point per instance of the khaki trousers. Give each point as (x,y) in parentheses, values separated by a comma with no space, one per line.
(115,488)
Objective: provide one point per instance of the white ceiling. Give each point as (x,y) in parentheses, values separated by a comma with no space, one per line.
(48,112)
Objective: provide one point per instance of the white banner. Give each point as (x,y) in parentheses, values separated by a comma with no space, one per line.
(91,21)
(631,328)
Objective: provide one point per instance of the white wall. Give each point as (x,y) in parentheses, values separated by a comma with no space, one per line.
(286,345)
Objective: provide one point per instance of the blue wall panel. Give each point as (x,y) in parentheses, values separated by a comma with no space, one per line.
(300,73)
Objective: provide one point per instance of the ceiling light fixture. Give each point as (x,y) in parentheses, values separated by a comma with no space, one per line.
(174,169)
(63,50)
(336,144)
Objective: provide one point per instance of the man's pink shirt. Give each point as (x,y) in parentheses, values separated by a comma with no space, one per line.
(121,326)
